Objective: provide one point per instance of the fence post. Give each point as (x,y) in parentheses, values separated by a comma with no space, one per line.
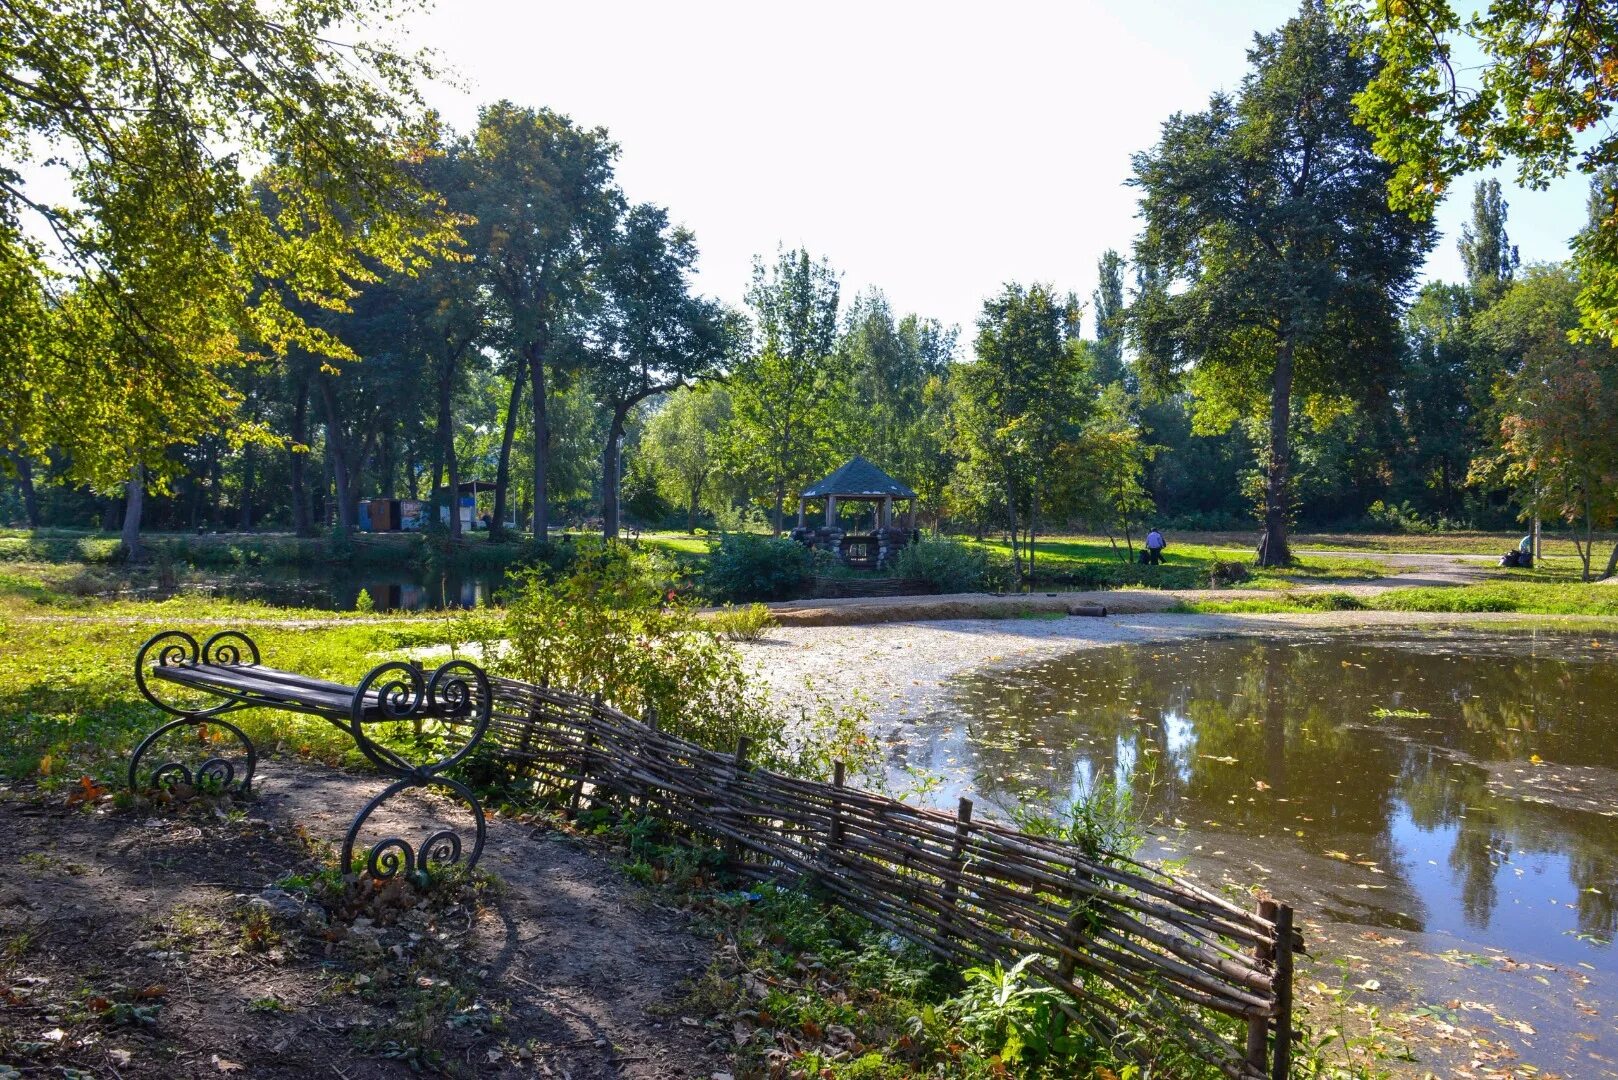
(584,765)
(836,835)
(732,849)
(952,886)
(1281,1064)
(1258,1028)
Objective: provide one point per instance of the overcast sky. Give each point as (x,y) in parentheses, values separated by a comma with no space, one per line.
(933,150)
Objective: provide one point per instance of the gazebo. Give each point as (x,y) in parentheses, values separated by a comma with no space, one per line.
(878,534)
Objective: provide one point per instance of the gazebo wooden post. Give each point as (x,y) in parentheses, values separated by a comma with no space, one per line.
(887,512)
(831,511)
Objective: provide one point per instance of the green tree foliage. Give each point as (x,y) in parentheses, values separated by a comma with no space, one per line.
(1108,300)
(891,364)
(1487,252)
(165,263)
(683,442)
(1554,408)
(1278,267)
(1020,404)
(647,334)
(544,191)
(1544,96)
(789,393)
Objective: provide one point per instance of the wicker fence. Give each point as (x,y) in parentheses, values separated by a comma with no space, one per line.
(1146,962)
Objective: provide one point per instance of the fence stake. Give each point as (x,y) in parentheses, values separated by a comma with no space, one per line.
(1282,1062)
(952,887)
(733,850)
(584,767)
(1258,1028)
(837,804)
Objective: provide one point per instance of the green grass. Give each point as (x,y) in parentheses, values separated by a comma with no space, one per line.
(1524,598)
(1090,562)
(68,702)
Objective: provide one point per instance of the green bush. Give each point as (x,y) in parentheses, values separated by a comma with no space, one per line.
(741,623)
(608,628)
(745,566)
(949,566)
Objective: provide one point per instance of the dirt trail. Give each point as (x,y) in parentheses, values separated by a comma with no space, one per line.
(586,972)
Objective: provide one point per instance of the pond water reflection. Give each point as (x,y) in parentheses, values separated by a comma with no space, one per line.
(338,588)
(1449,783)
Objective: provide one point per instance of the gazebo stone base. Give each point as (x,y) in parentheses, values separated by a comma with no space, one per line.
(824,537)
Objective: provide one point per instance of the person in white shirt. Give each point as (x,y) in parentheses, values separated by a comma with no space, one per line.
(1154,547)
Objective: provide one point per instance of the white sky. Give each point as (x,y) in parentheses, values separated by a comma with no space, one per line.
(935,150)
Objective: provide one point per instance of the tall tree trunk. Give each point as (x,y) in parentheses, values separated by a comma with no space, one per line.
(609,473)
(246,522)
(502,474)
(347,504)
(542,443)
(780,502)
(298,458)
(1272,549)
(446,453)
(1033,525)
(696,501)
(1612,562)
(25,484)
(134,499)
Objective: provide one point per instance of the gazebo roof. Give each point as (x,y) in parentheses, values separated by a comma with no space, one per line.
(858,478)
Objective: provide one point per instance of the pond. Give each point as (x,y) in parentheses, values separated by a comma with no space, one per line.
(1449,796)
(338,589)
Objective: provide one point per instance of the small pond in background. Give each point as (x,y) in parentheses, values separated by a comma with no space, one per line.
(1442,804)
(338,588)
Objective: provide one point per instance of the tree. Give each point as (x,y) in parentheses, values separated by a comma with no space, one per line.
(543,188)
(1108,467)
(788,393)
(682,440)
(890,363)
(648,334)
(1108,353)
(158,114)
(1487,252)
(1554,409)
(1019,402)
(1544,97)
(1278,267)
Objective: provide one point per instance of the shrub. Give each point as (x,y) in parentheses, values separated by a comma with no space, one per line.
(741,623)
(745,566)
(604,628)
(1222,573)
(947,565)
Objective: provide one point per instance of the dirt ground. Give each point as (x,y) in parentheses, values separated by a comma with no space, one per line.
(141,944)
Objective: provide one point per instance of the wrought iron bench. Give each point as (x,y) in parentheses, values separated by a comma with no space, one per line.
(397,707)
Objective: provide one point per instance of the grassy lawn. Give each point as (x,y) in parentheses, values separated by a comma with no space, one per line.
(1085,560)
(1438,543)
(1522,597)
(68,703)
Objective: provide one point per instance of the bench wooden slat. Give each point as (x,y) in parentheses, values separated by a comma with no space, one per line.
(270,685)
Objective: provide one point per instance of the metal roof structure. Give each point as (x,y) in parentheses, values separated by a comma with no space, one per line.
(858,478)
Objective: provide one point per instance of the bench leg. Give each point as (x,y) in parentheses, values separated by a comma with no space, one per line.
(393,855)
(170,764)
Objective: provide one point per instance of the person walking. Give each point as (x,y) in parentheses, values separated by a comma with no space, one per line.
(1154,547)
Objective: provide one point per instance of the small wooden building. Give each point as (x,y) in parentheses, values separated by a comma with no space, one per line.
(877,533)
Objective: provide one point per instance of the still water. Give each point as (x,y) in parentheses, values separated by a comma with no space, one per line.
(1455,794)
(389,589)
